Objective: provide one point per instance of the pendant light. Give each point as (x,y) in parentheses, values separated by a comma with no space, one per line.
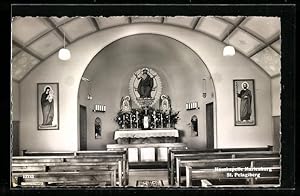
(228,51)
(64,53)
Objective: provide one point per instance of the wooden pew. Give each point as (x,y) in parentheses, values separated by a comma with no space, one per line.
(205,170)
(172,153)
(67,164)
(100,177)
(216,155)
(99,161)
(123,153)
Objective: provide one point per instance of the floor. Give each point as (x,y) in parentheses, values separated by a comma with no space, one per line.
(147,174)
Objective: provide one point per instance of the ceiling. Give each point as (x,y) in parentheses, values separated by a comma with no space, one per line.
(34,39)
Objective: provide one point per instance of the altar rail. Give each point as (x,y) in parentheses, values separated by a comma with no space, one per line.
(145,153)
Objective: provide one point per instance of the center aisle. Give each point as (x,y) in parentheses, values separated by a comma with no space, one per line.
(148,174)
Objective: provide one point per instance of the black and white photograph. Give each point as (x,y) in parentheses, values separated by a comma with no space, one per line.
(146,101)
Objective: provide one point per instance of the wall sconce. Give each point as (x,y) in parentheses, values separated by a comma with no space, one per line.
(204,88)
(64,53)
(192,105)
(99,108)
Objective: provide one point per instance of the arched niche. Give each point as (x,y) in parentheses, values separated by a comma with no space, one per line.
(98,128)
(194,126)
(180,69)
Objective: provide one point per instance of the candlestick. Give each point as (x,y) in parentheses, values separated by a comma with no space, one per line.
(169,124)
(161,120)
(154,116)
(137,119)
(130,120)
(123,120)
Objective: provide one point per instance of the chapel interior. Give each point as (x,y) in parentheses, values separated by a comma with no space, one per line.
(145,101)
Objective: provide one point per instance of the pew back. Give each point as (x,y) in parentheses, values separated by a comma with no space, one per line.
(87,165)
(172,153)
(174,169)
(249,171)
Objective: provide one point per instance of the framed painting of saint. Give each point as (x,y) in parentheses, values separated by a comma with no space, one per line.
(47,106)
(244,102)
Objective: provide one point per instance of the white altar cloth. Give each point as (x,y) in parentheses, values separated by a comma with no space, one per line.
(146,133)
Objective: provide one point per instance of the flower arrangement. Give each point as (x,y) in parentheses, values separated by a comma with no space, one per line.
(157,118)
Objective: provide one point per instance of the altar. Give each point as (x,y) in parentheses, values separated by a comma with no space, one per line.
(146,130)
(136,136)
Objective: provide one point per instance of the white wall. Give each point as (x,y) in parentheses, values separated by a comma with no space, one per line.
(276,101)
(15,101)
(68,74)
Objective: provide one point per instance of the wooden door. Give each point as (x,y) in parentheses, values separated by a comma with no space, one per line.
(83,128)
(209,126)
(15,146)
(277,134)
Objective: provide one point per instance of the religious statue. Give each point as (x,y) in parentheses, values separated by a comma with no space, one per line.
(245,105)
(145,85)
(125,104)
(165,103)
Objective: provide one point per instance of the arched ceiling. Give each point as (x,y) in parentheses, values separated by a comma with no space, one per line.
(34,39)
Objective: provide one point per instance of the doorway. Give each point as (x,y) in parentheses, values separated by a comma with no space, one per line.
(209,126)
(15,142)
(83,128)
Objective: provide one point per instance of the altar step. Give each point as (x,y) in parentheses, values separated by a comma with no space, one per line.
(147,174)
(148,165)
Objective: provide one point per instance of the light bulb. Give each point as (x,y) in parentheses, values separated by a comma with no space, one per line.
(64,54)
(228,51)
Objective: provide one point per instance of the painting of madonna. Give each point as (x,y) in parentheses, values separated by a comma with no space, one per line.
(48,108)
